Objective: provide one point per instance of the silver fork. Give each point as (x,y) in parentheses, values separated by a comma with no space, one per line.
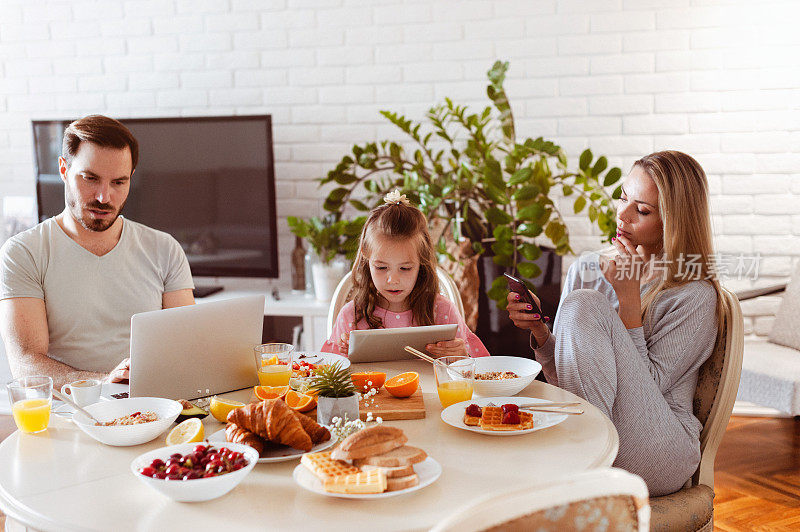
(544,407)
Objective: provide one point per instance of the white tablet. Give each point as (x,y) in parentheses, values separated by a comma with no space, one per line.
(379,345)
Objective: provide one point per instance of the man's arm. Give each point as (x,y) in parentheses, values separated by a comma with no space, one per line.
(177,298)
(23,324)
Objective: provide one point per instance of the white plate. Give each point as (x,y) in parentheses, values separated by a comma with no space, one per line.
(318,357)
(453,415)
(280,454)
(428,471)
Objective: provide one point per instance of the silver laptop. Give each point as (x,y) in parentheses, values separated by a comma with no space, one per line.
(197,350)
(380,345)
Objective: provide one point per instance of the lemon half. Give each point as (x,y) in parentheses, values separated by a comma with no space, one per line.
(187,431)
(220,408)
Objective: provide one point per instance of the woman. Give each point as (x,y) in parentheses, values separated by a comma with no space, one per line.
(632,330)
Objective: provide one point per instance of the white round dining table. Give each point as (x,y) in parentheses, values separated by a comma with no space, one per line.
(61,479)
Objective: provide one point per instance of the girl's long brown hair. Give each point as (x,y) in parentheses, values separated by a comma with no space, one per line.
(395,221)
(686,224)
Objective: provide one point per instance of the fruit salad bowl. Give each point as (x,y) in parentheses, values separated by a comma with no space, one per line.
(193,489)
(167,411)
(525,368)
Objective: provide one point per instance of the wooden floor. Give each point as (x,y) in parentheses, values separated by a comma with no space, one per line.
(757,476)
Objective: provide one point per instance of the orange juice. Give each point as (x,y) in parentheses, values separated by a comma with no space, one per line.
(31,415)
(274,375)
(454,392)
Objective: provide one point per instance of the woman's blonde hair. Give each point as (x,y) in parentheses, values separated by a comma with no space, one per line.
(683,203)
(396,220)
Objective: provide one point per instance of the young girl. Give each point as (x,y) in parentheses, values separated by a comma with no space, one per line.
(632,331)
(395,283)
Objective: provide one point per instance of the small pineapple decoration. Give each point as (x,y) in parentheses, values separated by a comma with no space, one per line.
(333,381)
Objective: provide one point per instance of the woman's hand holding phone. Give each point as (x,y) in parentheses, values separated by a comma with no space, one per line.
(520,314)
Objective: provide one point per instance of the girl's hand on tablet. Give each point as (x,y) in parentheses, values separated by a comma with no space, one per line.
(447,348)
(344,345)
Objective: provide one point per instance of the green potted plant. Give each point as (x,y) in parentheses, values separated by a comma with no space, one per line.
(479,183)
(335,241)
(336,393)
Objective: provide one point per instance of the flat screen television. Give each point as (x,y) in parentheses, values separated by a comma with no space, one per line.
(207,181)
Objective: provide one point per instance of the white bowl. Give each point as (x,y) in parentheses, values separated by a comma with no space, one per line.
(201,489)
(125,435)
(526,368)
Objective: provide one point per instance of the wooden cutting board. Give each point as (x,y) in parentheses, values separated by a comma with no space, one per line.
(385,406)
(389,408)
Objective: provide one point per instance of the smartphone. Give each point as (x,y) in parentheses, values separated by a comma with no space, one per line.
(516,285)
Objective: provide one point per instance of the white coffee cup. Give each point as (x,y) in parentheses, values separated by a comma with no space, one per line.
(84,392)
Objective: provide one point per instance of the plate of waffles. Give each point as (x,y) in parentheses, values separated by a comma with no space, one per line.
(361,479)
(491,418)
(274,452)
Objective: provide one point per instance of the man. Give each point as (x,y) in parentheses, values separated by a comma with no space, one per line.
(69,286)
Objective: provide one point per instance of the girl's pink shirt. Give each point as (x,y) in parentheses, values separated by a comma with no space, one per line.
(444,312)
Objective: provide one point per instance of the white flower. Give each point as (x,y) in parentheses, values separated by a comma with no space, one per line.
(395,197)
(379,419)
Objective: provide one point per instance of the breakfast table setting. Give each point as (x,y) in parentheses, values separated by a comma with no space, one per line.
(65,478)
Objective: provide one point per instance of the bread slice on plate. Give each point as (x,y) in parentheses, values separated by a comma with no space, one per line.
(377,439)
(392,472)
(401,456)
(401,483)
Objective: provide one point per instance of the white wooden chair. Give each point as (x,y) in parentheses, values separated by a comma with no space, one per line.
(447,287)
(599,499)
(692,508)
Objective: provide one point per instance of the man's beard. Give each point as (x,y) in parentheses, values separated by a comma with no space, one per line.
(87,221)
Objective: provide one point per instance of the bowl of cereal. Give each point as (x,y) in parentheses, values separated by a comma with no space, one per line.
(500,376)
(130,421)
(193,472)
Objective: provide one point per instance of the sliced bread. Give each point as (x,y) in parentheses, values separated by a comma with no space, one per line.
(377,439)
(401,483)
(392,472)
(400,456)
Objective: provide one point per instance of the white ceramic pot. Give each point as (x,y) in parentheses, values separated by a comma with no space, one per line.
(326,277)
(331,407)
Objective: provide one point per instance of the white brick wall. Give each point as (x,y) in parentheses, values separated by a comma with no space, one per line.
(717,79)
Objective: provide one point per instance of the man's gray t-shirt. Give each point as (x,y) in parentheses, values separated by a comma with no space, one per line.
(90,299)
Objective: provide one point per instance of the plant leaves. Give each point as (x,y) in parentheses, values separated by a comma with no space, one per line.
(612,177)
(585,160)
(531,212)
(599,166)
(580,203)
(495,216)
(530,251)
(529,270)
(520,176)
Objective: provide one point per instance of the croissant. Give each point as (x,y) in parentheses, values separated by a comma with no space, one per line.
(317,432)
(236,434)
(274,421)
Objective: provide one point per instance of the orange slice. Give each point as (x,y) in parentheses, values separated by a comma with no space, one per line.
(403,385)
(270,392)
(366,380)
(300,401)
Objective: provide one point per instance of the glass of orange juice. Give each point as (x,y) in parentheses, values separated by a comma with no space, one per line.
(454,379)
(30,402)
(274,364)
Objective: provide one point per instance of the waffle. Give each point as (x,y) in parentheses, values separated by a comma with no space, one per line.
(373,481)
(324,468)
(493,415)
(472,421)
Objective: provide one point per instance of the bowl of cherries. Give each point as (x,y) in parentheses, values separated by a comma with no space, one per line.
(194,472)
